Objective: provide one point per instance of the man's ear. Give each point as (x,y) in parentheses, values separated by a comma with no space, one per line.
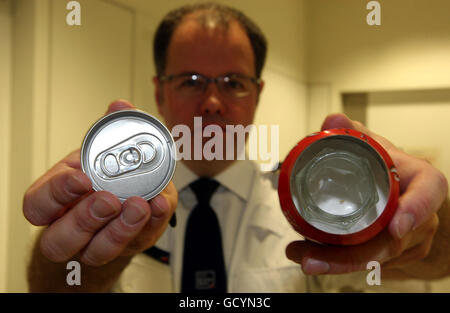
(158,94)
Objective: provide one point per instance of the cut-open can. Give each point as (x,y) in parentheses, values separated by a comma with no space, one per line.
(338,186)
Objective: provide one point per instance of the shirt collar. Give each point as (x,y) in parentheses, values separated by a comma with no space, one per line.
(267,216)
(183,176)
(238,178)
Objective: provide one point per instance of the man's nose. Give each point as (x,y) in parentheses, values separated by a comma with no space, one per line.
(212,102)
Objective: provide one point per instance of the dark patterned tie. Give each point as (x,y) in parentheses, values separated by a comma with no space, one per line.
(203,262)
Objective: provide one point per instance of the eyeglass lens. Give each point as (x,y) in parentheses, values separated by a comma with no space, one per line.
(232,86)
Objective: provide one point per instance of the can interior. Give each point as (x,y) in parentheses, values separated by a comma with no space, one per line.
(340,184)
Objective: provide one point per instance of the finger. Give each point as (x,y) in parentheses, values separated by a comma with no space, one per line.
(421,249)
(320,259)
(316,259)
(72,160)
(118,105)
(395,274)
(171,196)
(425,193)
(410,256)
(162,208)
(69,234)
(49,196)
(340,120)
(114,237)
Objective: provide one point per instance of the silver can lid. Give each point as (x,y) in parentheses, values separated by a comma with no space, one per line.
(129,153)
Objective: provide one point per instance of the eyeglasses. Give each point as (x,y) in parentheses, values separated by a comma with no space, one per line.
(232,85)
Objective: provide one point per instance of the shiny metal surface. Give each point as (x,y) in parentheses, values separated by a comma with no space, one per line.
(129,153)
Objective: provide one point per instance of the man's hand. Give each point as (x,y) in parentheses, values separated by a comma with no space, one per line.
(409,236)
(93,226)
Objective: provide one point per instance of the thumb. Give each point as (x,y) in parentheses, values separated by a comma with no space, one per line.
(340,120)
(119,105)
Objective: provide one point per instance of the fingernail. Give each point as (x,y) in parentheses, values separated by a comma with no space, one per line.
(102,209)
(119,104)
(405,224)
(133,214)
(160,206)
(315,267)
(76,184)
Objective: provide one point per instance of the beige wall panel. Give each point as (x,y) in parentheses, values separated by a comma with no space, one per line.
(283,103)
(410,49)
(424,133)
(5,117)
(91,65)
(319,99)
(21,141)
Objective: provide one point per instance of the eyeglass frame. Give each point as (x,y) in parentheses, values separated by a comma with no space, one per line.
(168,78)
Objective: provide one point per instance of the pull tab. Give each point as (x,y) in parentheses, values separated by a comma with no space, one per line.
(140,153)
(130,157)
(148,151)
(120,161)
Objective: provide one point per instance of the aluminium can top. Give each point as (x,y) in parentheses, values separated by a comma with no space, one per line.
(129,153)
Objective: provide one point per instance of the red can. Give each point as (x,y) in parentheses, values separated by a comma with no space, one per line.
(339,187)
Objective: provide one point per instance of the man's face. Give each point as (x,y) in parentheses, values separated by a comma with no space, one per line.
(209,51)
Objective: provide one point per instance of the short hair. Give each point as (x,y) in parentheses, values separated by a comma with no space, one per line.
(211,12)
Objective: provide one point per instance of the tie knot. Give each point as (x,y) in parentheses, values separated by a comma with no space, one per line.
(204,188)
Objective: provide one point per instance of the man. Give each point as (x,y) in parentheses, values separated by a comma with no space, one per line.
(208,48)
